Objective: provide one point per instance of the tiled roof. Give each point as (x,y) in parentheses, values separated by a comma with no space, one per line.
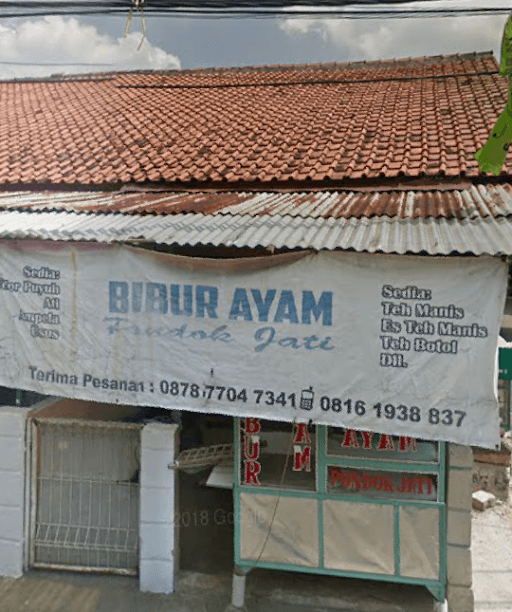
(298,125)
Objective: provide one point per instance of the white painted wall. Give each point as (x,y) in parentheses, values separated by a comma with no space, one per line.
(159,444)
(158,545)
(13,422)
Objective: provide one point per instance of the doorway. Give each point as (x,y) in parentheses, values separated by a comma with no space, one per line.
(85,495)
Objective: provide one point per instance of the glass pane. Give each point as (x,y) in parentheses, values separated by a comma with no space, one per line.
(504,402)
(273,453)
(380,484)
(279,530)
(419,542)
(368,445)
(359,537)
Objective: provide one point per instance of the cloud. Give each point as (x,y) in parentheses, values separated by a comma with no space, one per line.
(68,46)
(386,38)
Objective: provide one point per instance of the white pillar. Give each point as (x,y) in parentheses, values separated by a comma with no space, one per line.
(13,423)
(441,606)
(238,590)
(158,542)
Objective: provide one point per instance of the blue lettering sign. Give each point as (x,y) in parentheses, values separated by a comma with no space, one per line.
(206,304)
(240,306)
(187,300)
(263,305)
(286,308)
(117,296)
(323,308)
(156,298)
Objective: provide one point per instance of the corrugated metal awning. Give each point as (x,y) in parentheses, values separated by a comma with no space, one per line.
(445,201)
(477,236)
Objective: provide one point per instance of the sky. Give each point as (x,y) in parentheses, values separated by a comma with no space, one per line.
(41,46)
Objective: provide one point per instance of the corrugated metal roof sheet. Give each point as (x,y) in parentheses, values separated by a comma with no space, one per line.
(477,201)
(477,236)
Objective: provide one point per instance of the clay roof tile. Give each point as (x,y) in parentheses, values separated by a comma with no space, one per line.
(417,116)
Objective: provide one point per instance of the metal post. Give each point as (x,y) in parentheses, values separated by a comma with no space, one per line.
(441,606)
(238,592)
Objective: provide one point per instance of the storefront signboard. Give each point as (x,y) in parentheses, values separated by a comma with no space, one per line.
(381,484)
(393,344)
(505,363)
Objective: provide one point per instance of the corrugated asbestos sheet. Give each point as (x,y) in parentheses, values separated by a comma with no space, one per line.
(474,221)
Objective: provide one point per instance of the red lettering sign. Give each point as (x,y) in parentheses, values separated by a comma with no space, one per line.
(386,443)
(405,444)
(367,439)
(350,439)
(302,459)
(252,425)
(254,452)
(302,434)
(252,469)
(416,485)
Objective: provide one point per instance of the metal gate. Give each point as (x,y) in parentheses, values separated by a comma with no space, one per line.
(85,500)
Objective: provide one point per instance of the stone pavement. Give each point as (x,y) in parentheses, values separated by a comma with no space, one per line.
(41,591)
(44,591)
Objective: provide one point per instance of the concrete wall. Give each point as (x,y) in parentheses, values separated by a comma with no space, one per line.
(82,409)
(12,489)
(492,478)
(491,470)
(158,541)
(458,501)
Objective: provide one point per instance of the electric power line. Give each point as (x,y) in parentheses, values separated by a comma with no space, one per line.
(392,9)
(149,5)
(214,13)
(89,64)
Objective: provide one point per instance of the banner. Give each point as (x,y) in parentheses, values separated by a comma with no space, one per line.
(392,344)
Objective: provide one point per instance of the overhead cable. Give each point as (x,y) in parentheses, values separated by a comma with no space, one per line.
(348,9)
(192,12)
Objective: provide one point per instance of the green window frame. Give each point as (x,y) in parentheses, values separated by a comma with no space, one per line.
(398,507)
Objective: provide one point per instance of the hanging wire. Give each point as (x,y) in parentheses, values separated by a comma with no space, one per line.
(138,5)
(278,497)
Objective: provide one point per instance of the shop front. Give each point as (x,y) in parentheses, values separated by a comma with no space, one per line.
(335,501)
(337,385)
(504,386)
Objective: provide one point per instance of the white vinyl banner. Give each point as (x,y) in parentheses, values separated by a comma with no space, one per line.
(393,344)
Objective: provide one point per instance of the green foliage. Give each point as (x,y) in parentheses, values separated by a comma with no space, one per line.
(506,50)
(491,156)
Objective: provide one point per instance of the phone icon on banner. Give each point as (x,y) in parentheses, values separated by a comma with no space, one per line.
(306,398)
